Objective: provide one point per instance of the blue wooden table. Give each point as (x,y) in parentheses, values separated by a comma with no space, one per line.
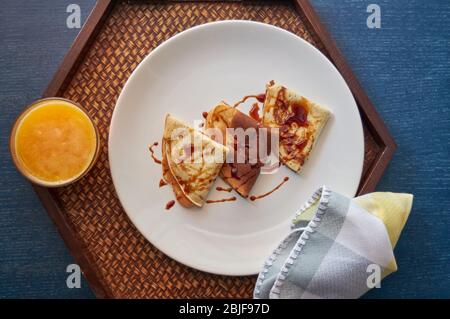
(404,67)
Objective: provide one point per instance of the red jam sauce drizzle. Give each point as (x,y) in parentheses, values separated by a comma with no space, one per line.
(162,183)
(253,198)
(231,199)
(152,152)
(170,204)
(221,189)
(254,112)
(259,97)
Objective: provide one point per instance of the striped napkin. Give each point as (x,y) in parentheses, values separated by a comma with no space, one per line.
(337,247)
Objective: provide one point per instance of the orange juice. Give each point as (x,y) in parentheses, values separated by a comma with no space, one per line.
(54,142)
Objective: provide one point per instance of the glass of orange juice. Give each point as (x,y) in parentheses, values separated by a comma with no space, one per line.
(54,142)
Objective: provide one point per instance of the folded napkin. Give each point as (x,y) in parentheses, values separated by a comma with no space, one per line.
(334,245)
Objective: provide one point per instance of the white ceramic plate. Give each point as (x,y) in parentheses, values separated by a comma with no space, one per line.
(189,74)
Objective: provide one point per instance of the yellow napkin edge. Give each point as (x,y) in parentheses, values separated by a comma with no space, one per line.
(393,210)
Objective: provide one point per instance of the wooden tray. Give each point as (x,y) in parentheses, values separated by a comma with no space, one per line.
(116,259)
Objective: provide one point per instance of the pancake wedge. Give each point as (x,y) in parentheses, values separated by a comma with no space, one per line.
(299,120)
(191,161)
(240,174)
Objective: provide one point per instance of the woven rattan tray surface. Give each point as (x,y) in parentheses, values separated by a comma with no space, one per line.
(115,258)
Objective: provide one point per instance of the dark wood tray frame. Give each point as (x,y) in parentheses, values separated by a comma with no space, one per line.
(75,55)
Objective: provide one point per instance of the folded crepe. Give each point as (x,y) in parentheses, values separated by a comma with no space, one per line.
(191,161)
(240,173)
(299,120)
